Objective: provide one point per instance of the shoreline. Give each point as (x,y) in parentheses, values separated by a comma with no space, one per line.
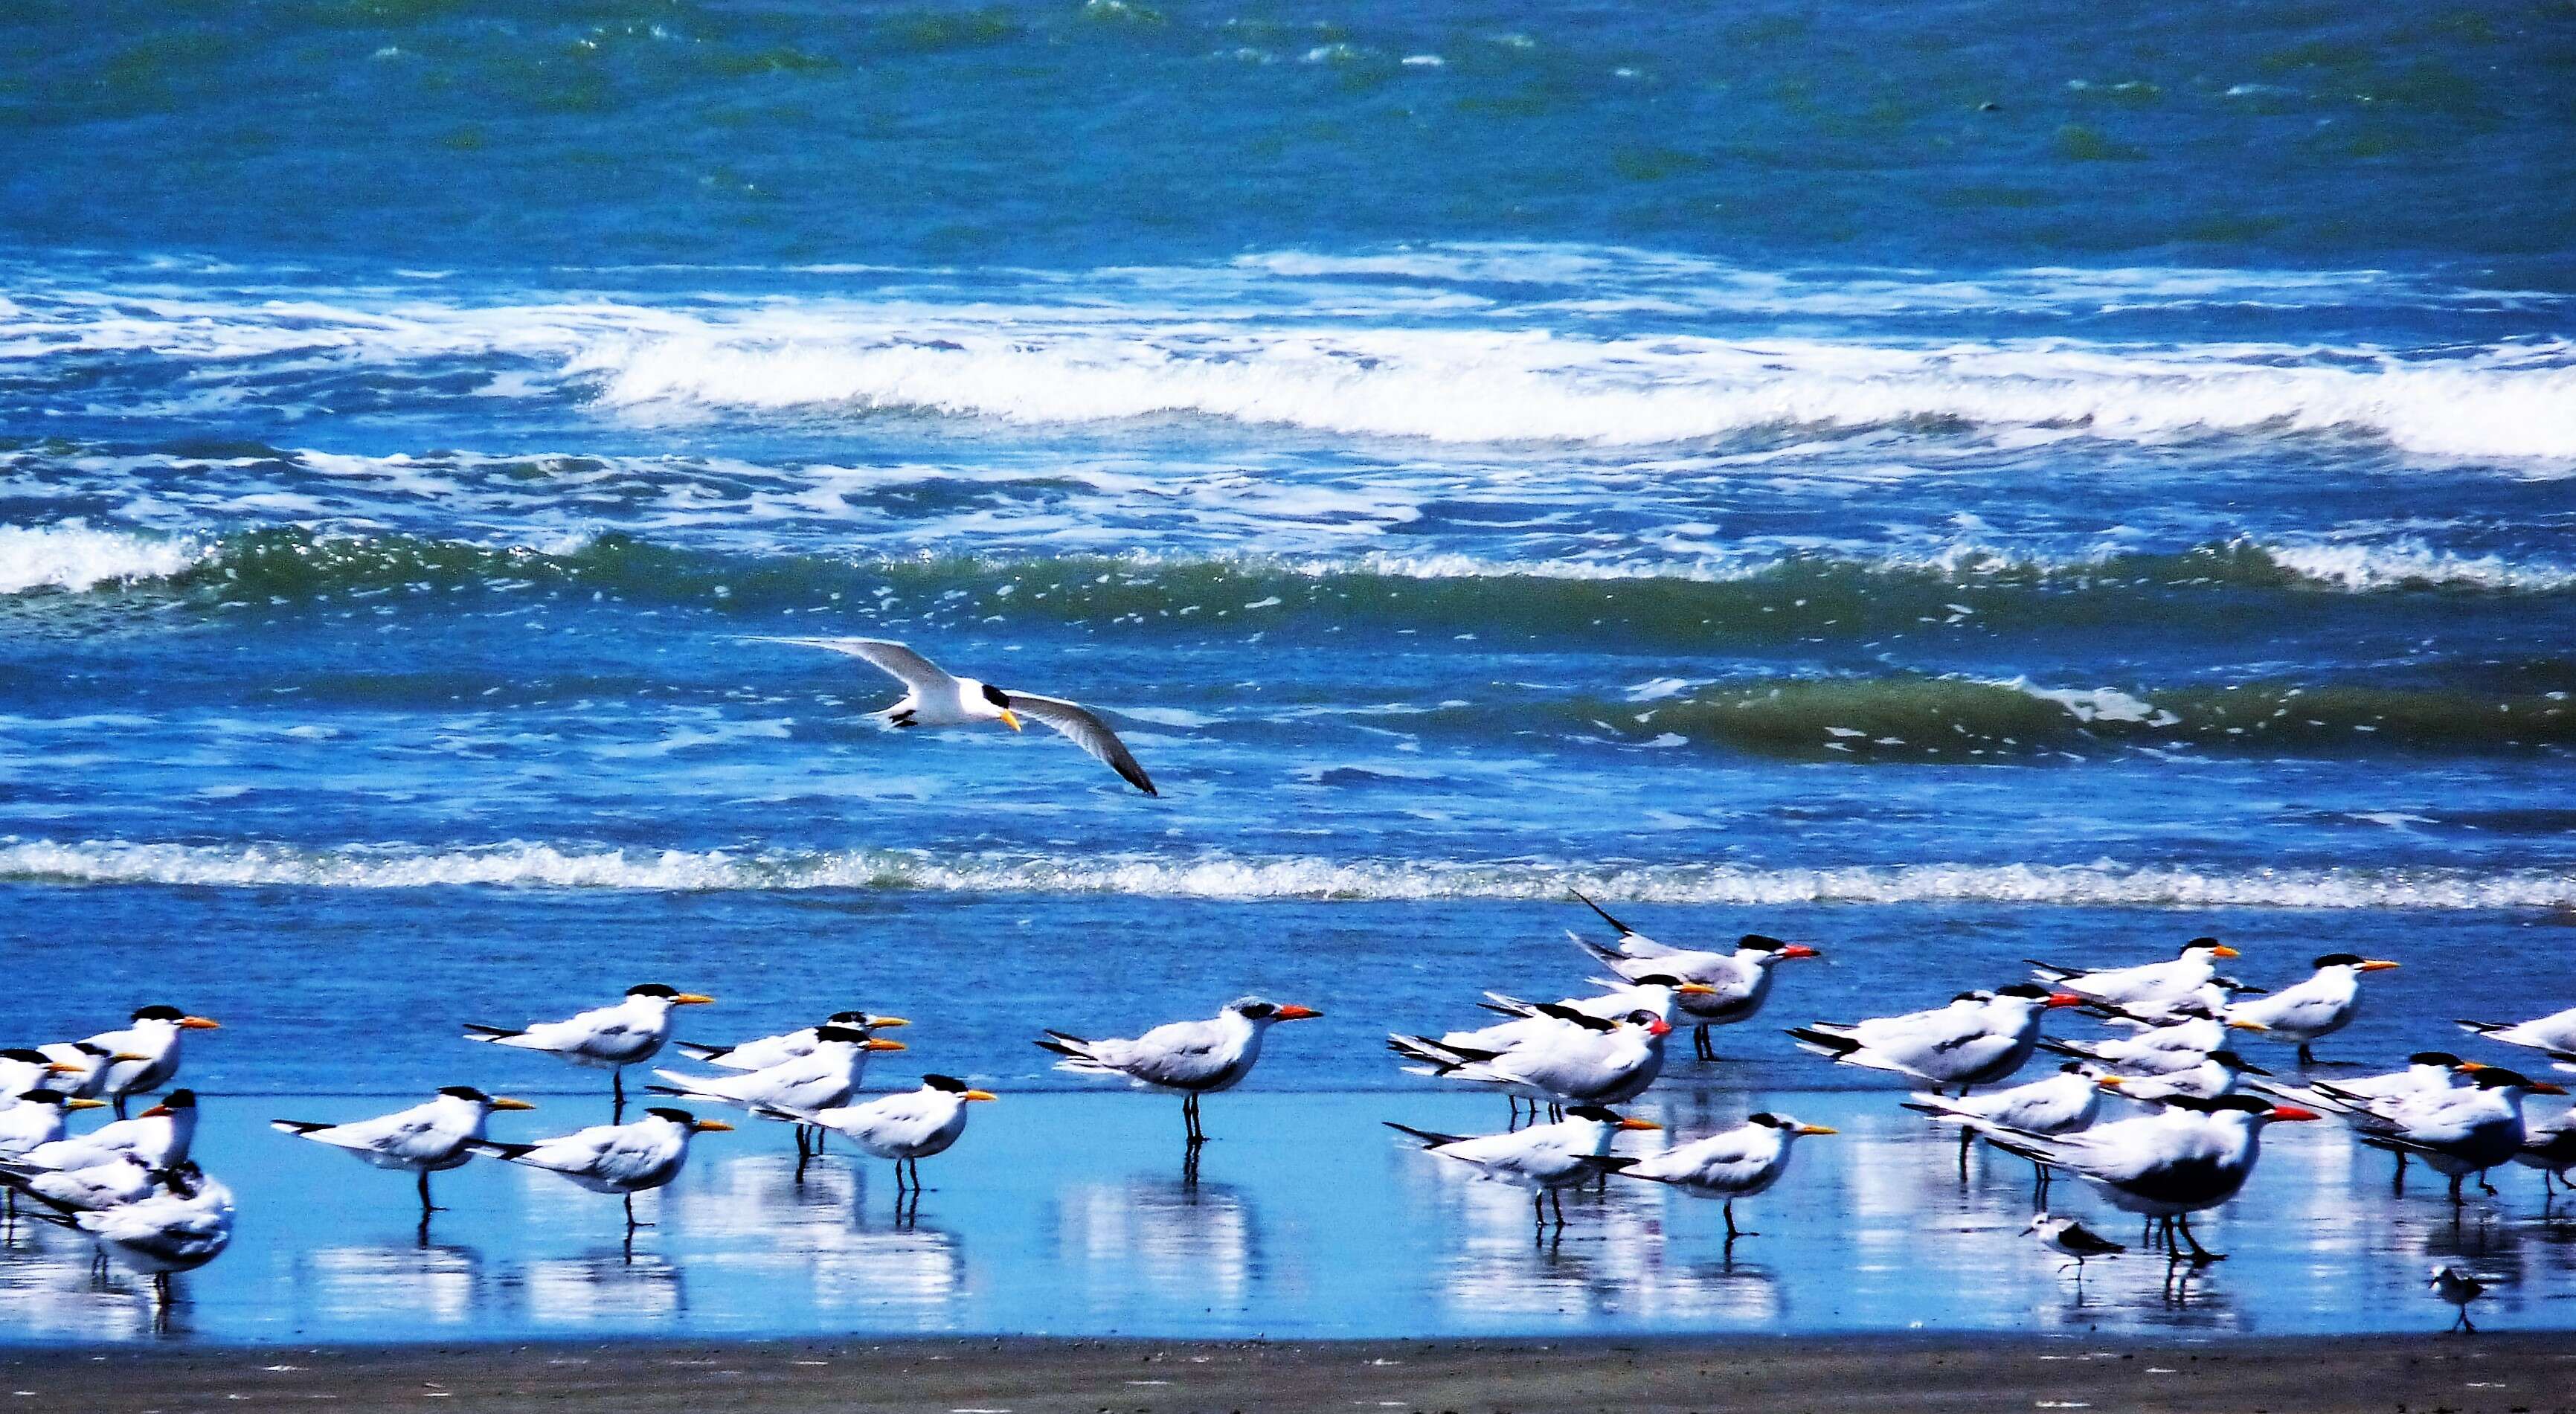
(2509,1373)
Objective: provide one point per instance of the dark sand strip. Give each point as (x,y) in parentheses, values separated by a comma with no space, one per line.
(2506,1374)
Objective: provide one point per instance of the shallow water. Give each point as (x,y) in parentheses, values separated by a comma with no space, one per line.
(1944,483)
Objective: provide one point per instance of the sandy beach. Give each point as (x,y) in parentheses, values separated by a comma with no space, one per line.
(2516,1374)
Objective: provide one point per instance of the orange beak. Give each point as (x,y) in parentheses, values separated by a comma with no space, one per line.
(1294,1012)
(1818,1129)
(2058,999)
(2223,950)
(2543,1087)
(66,1068)
(155,1110)
(693,999)
(1802,950)
(2377,965)
(702,1125)
(2293,1112)
(201,1023)
(127,1056)
(879,1043)
(2251,1025)
(1659,1027)
(980,1095)
(887,1023)
(2112,1082)
(1626,1123)
(2472,1067)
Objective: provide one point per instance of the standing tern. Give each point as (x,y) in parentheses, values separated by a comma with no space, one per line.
(2178,1044)
(24,1068)
(934,697)
(2425,1071)
(906,1127)
(2061,1104)
(1979,1038)
(2146,985)
(1735,1163)
(2458,1288)
(2316,1008)
(178,1230)
(786,1045)
(1544,1158)
(822,1078)
(108,1182)
(2190,1156)
(2217,1074)
(2554,1033)
(2549,1146)
(1188,1058)
(1738,982)
(2074,1239)
(610,1038)
(158,1138)
(1581,1060)
(142,1056)
(36,1119)
(2456,1132)
(427,1138)
(624,1159)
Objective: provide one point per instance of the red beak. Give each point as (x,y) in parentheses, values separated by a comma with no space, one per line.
(1659,1028)
(1799,950)
(2294,1112)
(1294,1012)
(2058,999)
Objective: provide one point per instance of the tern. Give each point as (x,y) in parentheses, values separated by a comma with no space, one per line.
(2458,1288)
(2146,985)
(1735,1163)
(1581,1060)
(2316,1008)
(2554,1033)
(36,1119)
(23,1068)
(934,697)
(1979,1038)
(821,1079)
(2189,1156)
(624,1159)
(142,1056)
(2061,1104)
(110,1182)
(2425,1071)
(2180,1042)
(786,1045)
(2549,1146)
(427,1138)
(2074,1239)
(1652,992)
(158,1138)
(1544,1158)
(2456,1132)
(1738,983)
(178,1230)
(906,1127)
(1189,1058)
(610,1038)
(2217,1074)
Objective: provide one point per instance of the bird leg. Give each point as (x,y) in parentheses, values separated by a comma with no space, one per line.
(1967,1137)
(617,1095)
(2199,1254)
(2455,1190)
(2397,1185)
(120,1107)
(631,1224)
(2482,1182)
(427,1207)
(1557,1198)
(2306,1056)
(1701,1043)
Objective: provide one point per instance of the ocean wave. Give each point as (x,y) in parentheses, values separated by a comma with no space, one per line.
(519,864)
(72,556)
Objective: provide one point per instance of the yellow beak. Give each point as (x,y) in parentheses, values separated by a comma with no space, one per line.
(1696,989)
(692,999)
(1818,1129)
(707,1124)
(84,1104)
(2249,1025)
(504,1102)
(887,1023)
(981,1095)
(66,1068)
(2111,1082)
(879,1043)
(1010,719)
(129,1056)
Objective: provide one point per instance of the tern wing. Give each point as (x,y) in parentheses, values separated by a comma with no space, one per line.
(1086,731)
(914,671)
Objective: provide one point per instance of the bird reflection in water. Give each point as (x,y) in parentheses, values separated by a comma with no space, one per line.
(615,1286)
(1191,1243)
(816,1236)
(442,1284)
(53,1286)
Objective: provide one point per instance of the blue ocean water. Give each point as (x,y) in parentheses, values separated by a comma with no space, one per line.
(1956,482)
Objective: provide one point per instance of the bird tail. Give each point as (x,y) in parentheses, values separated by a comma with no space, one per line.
(2033,1147)
(1934,1106)
(297,1127)
(2077,1049)
(1610,1163)
(783,1114)
(1429,1139)
(697,1052)
(681,1091)
(1624,929)
(476,1031)
(2483,1028)
(1823,1043)
(2051,972)
(1079,1060)
(1508,1005)
(1433,1057)
(1596,951)
(495,1149)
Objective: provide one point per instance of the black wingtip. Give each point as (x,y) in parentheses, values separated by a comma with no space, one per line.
(1428,1138)
(1624,929)
(477,1031)
(1839,1045)
(296,1126)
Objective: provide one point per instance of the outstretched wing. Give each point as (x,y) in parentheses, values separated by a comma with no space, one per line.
(1086,731)
(916,672)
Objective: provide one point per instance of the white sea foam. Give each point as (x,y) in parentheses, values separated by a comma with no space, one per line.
(71,555)
(2361,566)
(1216,876)
(2100,704)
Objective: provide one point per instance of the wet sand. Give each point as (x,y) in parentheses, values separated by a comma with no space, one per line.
(2508,1374)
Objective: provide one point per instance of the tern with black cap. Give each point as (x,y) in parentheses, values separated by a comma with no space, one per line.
(431,1137)
(1736,984)
(608,1038)
(1186,1058)
(1547,1159)
(1735,1163)
(624,1159)
(2314,1009)
(1978,1039)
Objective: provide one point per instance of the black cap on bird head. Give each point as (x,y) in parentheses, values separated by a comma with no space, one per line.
(2243,1104)
(2340,959)
(1252,1008)
(2440,1058)
(42,1096)
(1757,942)
(996,696)
(26,1055)
(2233,1061)
(1657,979)
(1598,1114)
(158,1012)
(949,1083)
(851,1034)
(652,989)
(674,1115)
(465,1092)
(179,1100)
(2496,1077)
(849,1018)
(2031,990)
(2071,1068)
(1766,1119)
(1974,997)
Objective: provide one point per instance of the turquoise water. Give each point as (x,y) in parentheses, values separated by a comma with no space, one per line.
(1953,483)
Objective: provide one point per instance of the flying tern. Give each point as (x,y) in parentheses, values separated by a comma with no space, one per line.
(427,1138)
(608,1038)
(934,697)
(1188,1058)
